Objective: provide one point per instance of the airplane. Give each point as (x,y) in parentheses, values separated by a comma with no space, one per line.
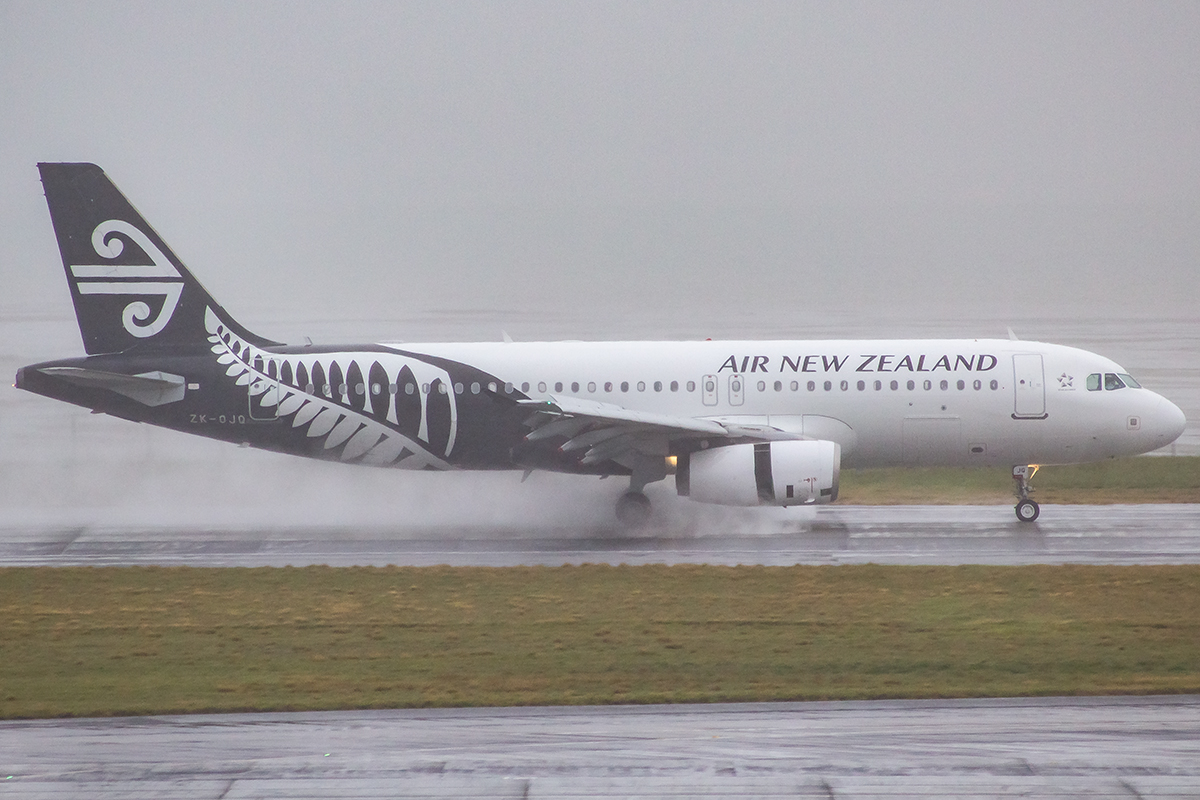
(740,423)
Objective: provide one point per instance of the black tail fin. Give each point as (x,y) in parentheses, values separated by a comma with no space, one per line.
(128,287)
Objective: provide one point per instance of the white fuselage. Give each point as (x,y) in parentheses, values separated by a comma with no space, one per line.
(886,402)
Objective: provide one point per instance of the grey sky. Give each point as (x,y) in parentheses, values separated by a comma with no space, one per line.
(618,159)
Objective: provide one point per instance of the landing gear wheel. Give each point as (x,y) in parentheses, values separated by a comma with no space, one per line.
(633,509)
(1027,510)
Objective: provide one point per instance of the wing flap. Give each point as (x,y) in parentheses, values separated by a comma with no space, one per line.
(607,432)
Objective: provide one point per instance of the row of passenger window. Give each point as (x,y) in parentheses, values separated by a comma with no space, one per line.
(878,385)
(476,388)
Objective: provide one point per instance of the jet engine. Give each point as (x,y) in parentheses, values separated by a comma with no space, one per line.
(784,473)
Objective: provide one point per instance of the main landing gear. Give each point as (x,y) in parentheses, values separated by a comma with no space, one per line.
(633,507)
(1027,510)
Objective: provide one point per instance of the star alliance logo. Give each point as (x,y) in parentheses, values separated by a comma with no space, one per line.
(1066,381)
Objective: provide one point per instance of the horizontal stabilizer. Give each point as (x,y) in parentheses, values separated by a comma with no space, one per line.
(147,388)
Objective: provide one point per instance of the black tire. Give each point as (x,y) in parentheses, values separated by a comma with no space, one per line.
(1027,511)
(633,509)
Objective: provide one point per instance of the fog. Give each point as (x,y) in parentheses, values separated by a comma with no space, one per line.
(602,171)
(371,159)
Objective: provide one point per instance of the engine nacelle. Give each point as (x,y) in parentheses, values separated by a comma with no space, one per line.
(785,473)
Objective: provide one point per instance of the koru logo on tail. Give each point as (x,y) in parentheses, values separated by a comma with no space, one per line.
(157,278)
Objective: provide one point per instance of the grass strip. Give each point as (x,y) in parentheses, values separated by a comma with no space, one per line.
(140,640)
(1120,480)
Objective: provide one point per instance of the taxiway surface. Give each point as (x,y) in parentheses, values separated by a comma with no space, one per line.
(1141,534)
(1060,747)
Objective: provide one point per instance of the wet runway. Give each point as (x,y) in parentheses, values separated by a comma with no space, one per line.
(1154,534)
(1061,747)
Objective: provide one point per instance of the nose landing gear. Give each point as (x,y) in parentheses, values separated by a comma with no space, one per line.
(1027,510)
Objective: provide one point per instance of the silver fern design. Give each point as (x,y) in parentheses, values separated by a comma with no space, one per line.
(358,413)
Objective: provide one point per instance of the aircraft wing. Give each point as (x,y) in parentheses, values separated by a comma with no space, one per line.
(605,431)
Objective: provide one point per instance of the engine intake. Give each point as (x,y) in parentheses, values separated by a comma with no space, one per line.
(786,473)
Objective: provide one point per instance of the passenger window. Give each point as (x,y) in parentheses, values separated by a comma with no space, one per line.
(674,386)
(779,386)
(1093,382)
(542,386)
(508,387)
(828,386)
(409,388)
(795,387)
(762,386)
(978,385)
(962,385)
(895,385)
(475,387)
(525,386)
(845,385)
(641,386)
(458,388)
(608,386)
(558,386)
(995,384)
(624,386)
(878,385)
(928,385)
(944,385)
(812,386)
(691,386)
(1112,382)
(862,385)
(912,385)
(658,386)
(592,387)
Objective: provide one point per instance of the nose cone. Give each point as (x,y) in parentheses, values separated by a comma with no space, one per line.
(1168,422)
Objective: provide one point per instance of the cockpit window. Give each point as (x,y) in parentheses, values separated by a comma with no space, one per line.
(1112,382)
(1093,382)
(1129,381)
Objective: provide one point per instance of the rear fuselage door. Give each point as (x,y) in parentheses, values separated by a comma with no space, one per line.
(1029,386)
